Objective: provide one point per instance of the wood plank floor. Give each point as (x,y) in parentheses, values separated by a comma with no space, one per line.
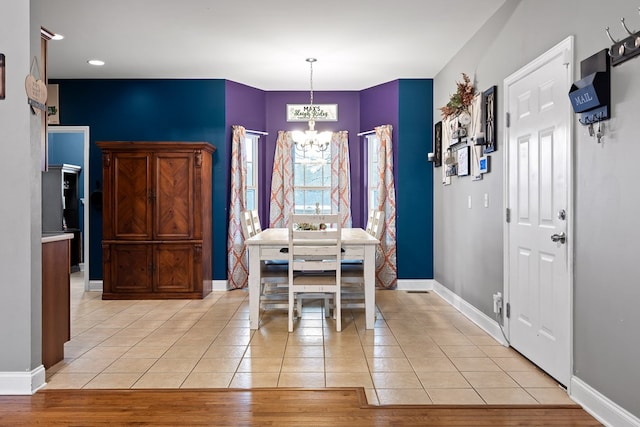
(263,407)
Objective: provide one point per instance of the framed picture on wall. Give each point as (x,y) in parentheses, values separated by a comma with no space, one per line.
(489,116)
(2,89)
(437,144)
(463,161)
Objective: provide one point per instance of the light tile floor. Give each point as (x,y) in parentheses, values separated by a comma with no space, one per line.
(421,351)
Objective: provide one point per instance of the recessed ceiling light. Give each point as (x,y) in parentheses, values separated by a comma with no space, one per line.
(57,37)
(96,62)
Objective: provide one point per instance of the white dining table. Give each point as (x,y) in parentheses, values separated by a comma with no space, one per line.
(269,244)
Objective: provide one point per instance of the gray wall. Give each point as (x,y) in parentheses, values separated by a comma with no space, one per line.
(20,247)
(607,206)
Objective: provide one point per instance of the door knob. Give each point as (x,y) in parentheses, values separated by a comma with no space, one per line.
(559,237)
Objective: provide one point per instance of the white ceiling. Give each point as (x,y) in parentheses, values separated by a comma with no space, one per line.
(260,43)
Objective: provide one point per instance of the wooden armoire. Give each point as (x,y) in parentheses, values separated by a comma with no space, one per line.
(157,220)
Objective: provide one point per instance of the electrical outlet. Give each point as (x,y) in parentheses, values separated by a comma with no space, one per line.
(497,302)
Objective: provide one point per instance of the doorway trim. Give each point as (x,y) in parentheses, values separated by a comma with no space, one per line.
(84,130)
(566,46)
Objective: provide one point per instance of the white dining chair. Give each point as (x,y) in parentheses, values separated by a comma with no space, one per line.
(352,273)
(273,275)
(314,262)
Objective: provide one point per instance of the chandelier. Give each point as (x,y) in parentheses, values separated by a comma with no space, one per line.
(311,138)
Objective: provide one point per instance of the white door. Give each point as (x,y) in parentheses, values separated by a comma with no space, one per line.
(538,198)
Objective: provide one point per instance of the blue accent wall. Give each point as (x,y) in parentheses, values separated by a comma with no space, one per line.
(414,184)
(150,110)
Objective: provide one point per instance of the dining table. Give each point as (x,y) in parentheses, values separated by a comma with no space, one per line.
(272,244)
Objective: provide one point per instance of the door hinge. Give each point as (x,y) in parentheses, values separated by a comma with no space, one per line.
(508,215)
(508,310)
(507,119)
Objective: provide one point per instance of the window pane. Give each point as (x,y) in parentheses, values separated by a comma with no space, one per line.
(298,200)
(326,202)
(312,198)
(250,175)
(326,180)
(251,199)
(313,176)
(298,175)
(249,149)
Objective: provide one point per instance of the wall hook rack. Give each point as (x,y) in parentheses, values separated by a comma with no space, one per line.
(626,48)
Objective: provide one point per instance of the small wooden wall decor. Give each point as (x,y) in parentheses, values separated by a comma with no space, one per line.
(36,89)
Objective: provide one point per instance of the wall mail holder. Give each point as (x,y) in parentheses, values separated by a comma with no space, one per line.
(591,95)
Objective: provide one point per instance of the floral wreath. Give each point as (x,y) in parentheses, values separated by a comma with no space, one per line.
(461,100)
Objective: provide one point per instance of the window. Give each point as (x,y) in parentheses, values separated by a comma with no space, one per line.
(373,148)
(251,144)
(312,180)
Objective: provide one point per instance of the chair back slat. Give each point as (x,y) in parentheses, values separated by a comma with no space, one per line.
(247,224)
(256,221)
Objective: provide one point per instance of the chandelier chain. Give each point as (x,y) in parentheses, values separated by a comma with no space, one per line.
(311,81)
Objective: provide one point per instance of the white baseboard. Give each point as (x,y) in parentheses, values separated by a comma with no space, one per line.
(485,322)
(601,407)
(415,284)
(21,383)
(95,285)
(219,285)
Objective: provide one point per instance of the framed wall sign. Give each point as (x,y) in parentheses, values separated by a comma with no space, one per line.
(317,112)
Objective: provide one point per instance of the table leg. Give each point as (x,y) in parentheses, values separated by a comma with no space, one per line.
(369,286)
(254,288)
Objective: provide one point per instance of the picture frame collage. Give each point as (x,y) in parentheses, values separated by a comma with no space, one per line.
(462,158)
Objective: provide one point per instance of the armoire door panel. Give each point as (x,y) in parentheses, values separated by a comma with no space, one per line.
(174,270)
(131,268)
(174,204)
(132,193)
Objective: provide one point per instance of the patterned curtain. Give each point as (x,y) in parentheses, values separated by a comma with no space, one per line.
(386,267)
(237,265)
(281,201)
(341,176)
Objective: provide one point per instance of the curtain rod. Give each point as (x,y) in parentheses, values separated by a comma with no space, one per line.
(257,132)
(367,132)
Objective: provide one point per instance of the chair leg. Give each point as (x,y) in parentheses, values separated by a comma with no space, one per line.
(291,302)
(337,311)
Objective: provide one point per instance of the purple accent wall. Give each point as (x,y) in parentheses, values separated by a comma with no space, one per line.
(244,106)
(348,119)
(379,106)
(357,112)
